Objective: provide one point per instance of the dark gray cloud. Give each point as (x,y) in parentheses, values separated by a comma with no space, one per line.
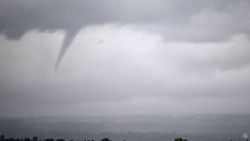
(18,17)
(181,20)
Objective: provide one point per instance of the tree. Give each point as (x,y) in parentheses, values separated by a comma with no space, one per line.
(60,140)
(2,137)
(180,139)
(106,139)
(35,138)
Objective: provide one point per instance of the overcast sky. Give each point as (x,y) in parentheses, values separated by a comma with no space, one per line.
(124,57)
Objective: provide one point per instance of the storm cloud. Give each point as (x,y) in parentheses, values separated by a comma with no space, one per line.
(18,17)
(189,20)
(125,56)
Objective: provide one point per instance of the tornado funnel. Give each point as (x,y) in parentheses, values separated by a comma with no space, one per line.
(69,37)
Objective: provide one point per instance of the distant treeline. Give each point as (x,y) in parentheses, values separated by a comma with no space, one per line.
(3,138)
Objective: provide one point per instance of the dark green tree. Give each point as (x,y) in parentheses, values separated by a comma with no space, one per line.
(2,137)
(106,139)
(60,140)
(35,138)
(180,139)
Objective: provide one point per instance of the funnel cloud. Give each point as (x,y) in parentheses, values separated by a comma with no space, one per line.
(69,37)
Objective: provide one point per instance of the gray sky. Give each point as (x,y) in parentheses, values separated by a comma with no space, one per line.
(124,57)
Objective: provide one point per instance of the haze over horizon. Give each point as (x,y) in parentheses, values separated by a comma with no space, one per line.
(124,57)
